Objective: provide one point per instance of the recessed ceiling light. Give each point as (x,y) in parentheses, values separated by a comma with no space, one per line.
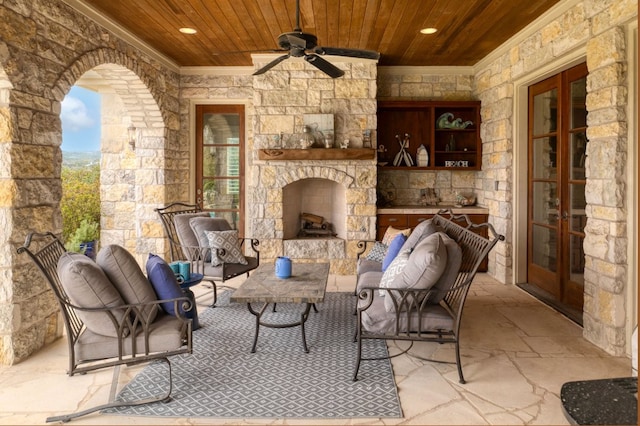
(428,30)
(187,30)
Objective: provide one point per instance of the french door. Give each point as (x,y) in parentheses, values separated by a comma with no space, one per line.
(219,162)
(556,187)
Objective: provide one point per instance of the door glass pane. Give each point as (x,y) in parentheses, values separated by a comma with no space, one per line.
(544,158)
(576,256)
(220,129)
(578,103)
(577,154)
(221,161)
(545,107)
(577,205)
(220,194)
(544,207)
(544,247)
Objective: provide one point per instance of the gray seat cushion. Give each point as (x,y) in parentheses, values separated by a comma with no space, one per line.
(231,269)
(125,274)
(165,335)
(376,319)
(87,286)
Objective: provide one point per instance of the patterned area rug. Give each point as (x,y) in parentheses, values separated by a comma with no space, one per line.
(222,378)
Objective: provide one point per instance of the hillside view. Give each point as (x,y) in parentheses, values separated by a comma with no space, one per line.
(80,159)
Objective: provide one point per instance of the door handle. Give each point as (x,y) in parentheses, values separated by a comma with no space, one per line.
(565,215)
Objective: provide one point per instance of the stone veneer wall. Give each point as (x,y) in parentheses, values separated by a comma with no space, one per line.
(45,47)
(281,97)
(597,27)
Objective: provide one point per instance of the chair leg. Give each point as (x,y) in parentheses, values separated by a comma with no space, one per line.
(215,294)
(462,381)
(358,339)
(113,404)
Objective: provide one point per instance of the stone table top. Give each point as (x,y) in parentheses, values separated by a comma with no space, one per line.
(307,284)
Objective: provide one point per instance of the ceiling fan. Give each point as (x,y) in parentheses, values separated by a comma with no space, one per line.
(305,45)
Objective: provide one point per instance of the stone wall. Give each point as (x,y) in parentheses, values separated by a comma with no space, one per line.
(598,28)
(45,47)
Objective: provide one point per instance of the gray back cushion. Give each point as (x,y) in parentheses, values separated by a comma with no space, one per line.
(88,287)
(124,272)
(201,224)
(183,228)
(425,266)
(419,233)
(448,277)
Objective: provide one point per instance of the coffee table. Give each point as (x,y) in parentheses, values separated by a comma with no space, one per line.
(306,285)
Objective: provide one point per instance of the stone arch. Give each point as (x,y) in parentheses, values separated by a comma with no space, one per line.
(132,182)
(30,177)
(290,175)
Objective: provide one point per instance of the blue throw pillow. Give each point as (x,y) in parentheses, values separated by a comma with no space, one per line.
(164,282)
(393,250)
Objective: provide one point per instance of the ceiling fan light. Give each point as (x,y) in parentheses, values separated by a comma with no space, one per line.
(429,30)
(187,30)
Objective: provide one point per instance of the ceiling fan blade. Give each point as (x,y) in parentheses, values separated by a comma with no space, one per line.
(354,53)
(271,64)
(324,66)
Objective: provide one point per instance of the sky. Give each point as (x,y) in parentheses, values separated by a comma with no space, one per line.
(80,115)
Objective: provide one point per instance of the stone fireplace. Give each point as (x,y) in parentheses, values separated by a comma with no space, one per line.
(337,187)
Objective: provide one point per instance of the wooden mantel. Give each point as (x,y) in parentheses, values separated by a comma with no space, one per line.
(318,154)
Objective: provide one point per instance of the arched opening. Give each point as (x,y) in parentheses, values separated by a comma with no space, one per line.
(130,164)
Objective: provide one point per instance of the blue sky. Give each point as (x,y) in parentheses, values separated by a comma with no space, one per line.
(80,115)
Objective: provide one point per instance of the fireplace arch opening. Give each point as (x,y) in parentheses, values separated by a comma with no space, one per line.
(318,197)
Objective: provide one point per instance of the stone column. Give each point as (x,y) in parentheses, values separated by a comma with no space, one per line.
(605,244)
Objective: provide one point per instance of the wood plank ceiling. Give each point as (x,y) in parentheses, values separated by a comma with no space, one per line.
(468,30)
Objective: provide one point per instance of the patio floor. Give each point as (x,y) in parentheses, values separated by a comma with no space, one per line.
(516,354)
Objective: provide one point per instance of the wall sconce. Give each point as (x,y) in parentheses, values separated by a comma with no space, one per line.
(131,131)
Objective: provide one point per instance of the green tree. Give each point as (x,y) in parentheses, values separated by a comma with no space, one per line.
(80,197)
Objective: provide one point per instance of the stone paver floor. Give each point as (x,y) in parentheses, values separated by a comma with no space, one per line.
(516,354)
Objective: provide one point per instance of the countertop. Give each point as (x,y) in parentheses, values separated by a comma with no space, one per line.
(431,209)
(601,402)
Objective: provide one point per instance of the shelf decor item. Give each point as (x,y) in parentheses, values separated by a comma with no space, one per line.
(465,199)
(422,157)
(403,155)
(446,121)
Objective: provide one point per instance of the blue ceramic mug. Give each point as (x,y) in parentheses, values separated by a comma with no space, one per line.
(185,270)
(283,267)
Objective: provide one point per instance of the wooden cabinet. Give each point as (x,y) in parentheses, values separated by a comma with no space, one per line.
(405,220)
(449,130)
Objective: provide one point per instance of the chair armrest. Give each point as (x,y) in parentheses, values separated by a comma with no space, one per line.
(363,245)
(403,298)
(253,244)
(133,317)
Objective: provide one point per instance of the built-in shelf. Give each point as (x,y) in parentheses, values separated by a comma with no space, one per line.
(318,154)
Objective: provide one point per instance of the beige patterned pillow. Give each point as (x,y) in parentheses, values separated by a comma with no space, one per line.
(227,240)
(391,233)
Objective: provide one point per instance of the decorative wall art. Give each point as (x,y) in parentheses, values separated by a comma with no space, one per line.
(446,121)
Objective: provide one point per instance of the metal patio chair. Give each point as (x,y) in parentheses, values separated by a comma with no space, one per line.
(137,338)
